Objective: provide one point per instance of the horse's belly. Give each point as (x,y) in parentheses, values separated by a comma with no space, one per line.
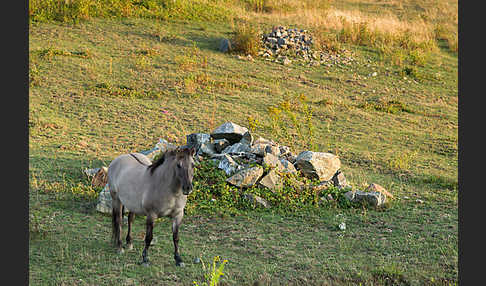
(131,202)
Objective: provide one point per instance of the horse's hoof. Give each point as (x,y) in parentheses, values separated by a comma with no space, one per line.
(180,264)
(145,264)
(129,246)
(120,251)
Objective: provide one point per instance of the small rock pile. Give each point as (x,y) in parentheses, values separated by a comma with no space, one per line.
(248,162)
(282,38)
(284,43)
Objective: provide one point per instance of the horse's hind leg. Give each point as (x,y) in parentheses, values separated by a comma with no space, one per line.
(129,245)
(148,238)
(176,222)
(116,217)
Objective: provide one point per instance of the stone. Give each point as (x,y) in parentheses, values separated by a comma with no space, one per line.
(271,149)
(342,226)
(317,165)
(256,199)
(229,131)
(287,166)
(207,149)
(284,150)
(261,140)
(220,144)
(339,180)
(236,148)
(258,149)
(350,195)
(322,186)
(104,201)
(373,187)
(246,177)
(271,161)
(375,199)
(161,147)
(247,138)
(91,172)
(100,178)
(225,46)
(271,180)
(196,140)
(272,40)
(228,165)
(290,157)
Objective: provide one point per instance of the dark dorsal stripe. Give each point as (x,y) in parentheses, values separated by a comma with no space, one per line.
(178,152)
(157,163)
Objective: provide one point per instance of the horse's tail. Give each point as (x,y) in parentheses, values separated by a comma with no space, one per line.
(116,220)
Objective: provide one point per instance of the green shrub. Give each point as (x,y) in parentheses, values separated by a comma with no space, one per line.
(246,39)
(213,195)
(213,276)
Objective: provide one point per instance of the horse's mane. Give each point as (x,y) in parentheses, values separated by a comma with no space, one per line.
(159,162)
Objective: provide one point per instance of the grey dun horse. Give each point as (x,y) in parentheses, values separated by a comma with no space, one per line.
(155,190)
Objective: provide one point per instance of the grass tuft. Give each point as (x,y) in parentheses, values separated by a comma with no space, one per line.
(246,39)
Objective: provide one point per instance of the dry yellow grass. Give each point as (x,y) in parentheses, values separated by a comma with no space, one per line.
(418,24)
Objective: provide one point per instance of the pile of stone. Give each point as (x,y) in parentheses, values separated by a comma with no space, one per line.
(261,162)
(282,44)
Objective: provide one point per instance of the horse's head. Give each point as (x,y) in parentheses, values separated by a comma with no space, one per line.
(184,169)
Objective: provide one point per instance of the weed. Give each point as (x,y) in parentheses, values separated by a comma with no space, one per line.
(417,57)
(402,161)
(39,224)
(292,119)
(125,91)
(246,39)
(391,274)
(253,123)
(453,43)
(50,52)
(390,106)
(213,276)
(142,62)
(259,5)
(192,60)
(34,75)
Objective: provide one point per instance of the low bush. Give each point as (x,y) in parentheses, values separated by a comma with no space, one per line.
(213,195)
(246,39)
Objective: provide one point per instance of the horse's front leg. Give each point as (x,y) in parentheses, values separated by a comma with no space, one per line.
(176,222)
(148,238)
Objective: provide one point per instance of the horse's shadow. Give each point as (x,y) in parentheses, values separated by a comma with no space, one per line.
(194,35)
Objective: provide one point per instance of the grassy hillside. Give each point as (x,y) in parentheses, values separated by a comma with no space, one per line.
(110,79)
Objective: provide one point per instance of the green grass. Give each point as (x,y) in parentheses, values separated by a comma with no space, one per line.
(104,87)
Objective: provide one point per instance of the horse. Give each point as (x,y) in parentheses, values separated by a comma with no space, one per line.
(155,190)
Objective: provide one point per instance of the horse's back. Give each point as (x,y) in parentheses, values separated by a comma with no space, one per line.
(126,180)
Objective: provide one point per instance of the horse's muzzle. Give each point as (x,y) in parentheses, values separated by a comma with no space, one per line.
(187,190)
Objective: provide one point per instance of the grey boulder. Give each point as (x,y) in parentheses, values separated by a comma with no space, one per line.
(229,131)
(225,45)
(246,177)
(317,165)
(228,165)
